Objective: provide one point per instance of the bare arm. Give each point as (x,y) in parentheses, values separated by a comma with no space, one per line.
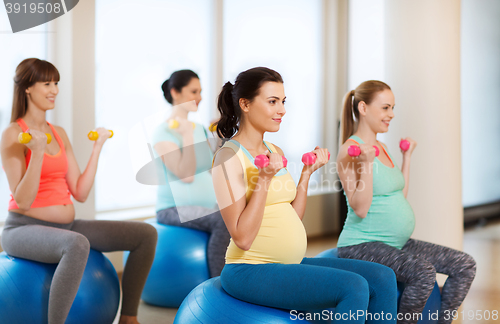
(357,177)
(23,182)
(405,167)
(181,163)
(300,201)
(242,220)
(80,183)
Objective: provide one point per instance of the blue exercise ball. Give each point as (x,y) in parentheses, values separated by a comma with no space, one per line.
(432,307)
(25,285)
(210,304)
(179,266)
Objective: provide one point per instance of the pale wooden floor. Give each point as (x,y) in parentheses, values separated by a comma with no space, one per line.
(482,243)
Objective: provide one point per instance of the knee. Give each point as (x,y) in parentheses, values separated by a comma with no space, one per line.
(78,243)
(468,266)
(382,276)
(359,286)
(149,234)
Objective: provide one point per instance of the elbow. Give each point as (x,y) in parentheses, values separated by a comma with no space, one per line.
(244,245)
(360,212)
(188,179)
(80,199)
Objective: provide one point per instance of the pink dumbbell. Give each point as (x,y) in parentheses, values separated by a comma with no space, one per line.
(404,145)
(309,158)
(261,161)
(354,150)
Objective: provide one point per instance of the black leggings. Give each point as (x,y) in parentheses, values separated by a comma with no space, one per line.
(416,265)
(69,245)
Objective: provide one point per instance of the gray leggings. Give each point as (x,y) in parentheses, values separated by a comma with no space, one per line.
(211,223)
(416,265)
(69,244)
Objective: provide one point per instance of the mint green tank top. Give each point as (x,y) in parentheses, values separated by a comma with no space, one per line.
(390,219)
(176,193)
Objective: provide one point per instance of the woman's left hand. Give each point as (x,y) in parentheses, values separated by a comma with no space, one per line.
(413,144)
(321,159)
(104,134)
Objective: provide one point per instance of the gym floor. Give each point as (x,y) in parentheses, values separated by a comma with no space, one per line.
(483,243)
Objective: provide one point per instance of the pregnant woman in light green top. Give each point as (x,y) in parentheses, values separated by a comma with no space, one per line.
(380,220)
(188,198)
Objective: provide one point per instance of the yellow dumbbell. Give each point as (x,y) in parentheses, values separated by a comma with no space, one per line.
(172,123)
(93,135)
(25,138)
(212,128)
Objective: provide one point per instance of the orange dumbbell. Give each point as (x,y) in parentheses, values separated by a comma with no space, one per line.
(93,135)
(25,138)
(172,123)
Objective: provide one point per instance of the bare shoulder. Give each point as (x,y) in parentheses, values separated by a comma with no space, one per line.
(278,149)
(383,144)
(343,156)
(11,133)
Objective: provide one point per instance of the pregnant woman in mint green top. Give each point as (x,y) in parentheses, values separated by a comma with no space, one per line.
(380,220)
(188,198)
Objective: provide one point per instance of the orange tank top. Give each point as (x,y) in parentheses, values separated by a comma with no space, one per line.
(53,188)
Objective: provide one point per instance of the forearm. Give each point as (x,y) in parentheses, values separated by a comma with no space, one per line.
(361,199)
(187,163)
(299,203)
(86,179)
(250,220)
(27,189)
(405,169)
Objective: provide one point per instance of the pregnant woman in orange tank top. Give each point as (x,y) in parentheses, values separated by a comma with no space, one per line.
(42,177)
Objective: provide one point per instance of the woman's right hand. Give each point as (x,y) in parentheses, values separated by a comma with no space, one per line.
(367,153)
(38,141)
(275,164)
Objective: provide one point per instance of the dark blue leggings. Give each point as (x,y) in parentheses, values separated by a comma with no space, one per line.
(351,286)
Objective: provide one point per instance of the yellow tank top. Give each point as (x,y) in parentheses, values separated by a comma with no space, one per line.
(282,236)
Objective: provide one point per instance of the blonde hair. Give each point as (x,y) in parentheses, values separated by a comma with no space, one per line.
(366,91)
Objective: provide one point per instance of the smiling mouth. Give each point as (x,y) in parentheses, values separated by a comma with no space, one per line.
(278,120)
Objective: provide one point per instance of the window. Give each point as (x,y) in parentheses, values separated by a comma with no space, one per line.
(138,46)
(286,36)
(22,45)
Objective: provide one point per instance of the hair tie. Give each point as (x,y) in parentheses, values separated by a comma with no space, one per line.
(352,92)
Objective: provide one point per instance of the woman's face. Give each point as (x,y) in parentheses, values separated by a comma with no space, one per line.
(43,95)
(190,92)
(380,111)
(267,109)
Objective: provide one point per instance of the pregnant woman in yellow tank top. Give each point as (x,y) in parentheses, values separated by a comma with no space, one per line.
(263,211)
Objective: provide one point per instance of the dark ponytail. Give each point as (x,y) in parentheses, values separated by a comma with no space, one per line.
(246,86)
(178,80)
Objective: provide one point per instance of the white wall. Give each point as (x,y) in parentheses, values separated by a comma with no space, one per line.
(480,95)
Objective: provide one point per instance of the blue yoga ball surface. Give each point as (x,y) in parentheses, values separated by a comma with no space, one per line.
(179,266)
(25,285)
(209,304)
(432,307)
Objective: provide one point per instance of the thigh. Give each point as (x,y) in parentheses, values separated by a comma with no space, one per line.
(107,236)
(293,286)
(38,243)
(369,270)
(403,263)
(444,259)
(203,219)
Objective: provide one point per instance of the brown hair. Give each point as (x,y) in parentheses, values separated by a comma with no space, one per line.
(366,91)
(247,86)
(28,72)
